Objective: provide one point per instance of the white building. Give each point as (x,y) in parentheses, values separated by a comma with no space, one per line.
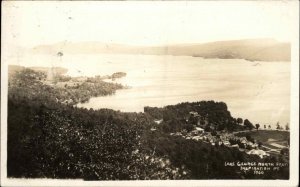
(258,152)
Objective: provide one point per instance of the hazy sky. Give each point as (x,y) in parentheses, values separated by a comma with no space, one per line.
(146,23)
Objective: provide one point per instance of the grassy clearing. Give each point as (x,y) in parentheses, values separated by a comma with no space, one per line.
(268,136)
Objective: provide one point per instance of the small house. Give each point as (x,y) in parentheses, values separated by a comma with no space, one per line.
(226,143)
(158,121)
(199,129)
(235,145)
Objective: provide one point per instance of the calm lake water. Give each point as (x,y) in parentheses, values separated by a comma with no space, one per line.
(259,91)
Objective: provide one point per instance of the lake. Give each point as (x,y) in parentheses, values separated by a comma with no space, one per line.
(258,91)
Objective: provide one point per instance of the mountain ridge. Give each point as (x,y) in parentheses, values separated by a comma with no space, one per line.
(248,49)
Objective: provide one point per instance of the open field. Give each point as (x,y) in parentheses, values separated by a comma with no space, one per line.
(270,138)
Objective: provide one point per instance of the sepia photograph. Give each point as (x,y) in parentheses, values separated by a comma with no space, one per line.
(151,93)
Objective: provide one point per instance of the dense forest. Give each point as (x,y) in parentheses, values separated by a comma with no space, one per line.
(212,116)
(48,138)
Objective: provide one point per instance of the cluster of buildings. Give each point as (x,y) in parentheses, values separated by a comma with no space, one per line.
(221,138)
(225,139)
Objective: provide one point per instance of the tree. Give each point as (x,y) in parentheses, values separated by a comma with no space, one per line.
(59,54)
(284,151)
(248,124)
(214,133)
(269,126)
(287,127)
(207,128)
(239,121)
(241,145)
(259,144)
(277,126)
(257,126)
(265,126)
(188,127)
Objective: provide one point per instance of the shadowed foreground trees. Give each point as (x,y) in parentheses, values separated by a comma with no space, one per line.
(69,142)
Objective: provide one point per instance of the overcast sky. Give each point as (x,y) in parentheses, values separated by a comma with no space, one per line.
(145,23)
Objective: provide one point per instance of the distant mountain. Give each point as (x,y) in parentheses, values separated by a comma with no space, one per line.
(253,50)
(250,49)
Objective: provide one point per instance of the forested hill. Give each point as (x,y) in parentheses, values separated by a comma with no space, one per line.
(250,49)
(210,115)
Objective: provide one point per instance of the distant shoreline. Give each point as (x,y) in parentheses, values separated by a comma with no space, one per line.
(249,49)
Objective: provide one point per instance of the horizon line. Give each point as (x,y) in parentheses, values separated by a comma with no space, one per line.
(158,44)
